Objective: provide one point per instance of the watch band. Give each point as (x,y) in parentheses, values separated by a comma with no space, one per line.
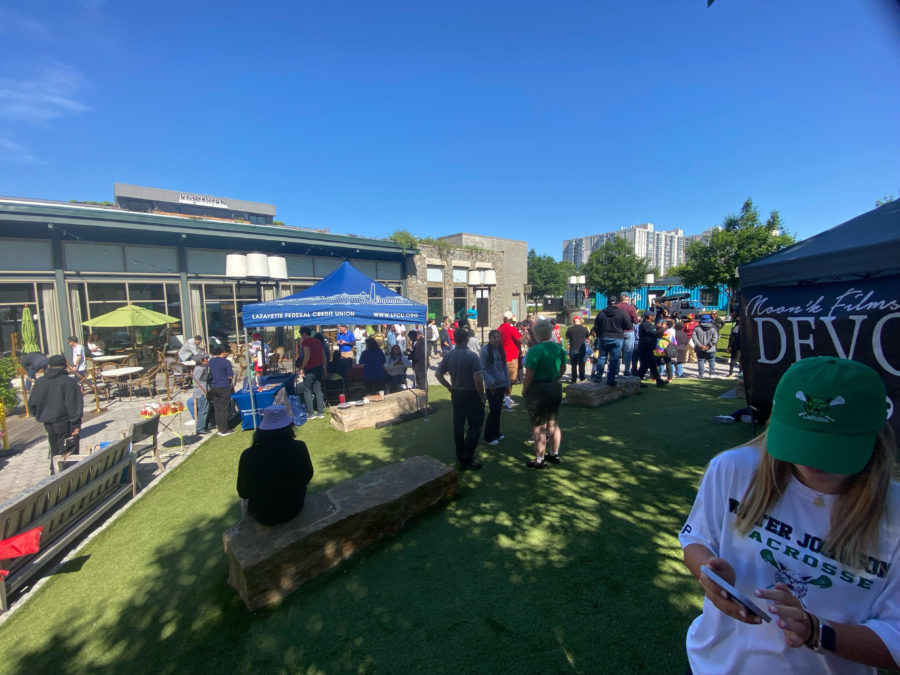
(827,637)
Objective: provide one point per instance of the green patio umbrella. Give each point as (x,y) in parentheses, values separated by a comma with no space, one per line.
(26,328)
(128,317)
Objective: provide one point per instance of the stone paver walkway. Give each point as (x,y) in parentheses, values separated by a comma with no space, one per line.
(27,462)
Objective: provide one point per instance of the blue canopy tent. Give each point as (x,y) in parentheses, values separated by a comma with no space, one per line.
(344,296)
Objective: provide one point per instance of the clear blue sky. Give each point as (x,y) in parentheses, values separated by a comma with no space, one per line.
(530,120)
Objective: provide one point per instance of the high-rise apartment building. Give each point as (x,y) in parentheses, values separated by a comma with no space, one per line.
(662,249)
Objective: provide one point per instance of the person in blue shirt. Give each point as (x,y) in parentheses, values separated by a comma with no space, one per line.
(472,316)
(221,383)
(373,361)
(345,341)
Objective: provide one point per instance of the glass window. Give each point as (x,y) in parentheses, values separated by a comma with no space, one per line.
(16,293)
(247,291)
(106,293)
(434,274)
(173,304)
(459,300)
(709,297)
(435,303)
(139,292)
(459,275)
(18,296)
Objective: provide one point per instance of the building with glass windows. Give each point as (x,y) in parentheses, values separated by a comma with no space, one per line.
(167,250)
(71,262)
(662,249)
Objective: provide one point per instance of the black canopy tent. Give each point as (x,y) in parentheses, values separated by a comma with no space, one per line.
(834,294)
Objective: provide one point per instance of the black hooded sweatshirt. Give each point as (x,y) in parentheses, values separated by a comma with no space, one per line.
(56,397)
(612,322)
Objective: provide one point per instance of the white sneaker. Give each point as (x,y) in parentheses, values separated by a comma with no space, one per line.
(493,442)
(190,423)
(501,437)
(723,419)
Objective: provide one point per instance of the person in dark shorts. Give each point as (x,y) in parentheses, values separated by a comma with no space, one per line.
(545,364)
(274,471)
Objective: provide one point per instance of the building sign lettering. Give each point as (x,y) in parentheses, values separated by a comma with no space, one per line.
(202,200)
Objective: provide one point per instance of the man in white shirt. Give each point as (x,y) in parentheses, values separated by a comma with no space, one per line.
(359,334)
(190,349)
(79,361)
(433,338)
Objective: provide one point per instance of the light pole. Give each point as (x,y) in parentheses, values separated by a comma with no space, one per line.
(579,283)
(257,267)
(481,282)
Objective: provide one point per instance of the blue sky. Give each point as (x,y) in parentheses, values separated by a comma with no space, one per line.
(530,120)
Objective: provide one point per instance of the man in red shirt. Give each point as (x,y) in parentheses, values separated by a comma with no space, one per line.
(312,369)
(689,327)
(511,341)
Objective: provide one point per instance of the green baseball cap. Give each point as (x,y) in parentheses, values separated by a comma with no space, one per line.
(826,414)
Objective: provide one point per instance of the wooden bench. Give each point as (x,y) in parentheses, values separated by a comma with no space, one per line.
(65,505)
(268,563)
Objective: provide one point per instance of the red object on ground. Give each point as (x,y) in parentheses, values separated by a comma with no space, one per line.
(21,544)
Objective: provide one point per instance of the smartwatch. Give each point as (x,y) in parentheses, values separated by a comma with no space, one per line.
(827,637)
(824,638)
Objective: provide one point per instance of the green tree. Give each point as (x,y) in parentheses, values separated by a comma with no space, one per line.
(545,275)
(567,268)
(887,199)
(614,267)
(741,239)
(408,242)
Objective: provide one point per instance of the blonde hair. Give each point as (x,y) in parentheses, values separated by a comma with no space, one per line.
(857,514)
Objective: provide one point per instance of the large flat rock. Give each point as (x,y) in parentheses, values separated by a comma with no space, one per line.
(592,394)
(366,416)
(268,563)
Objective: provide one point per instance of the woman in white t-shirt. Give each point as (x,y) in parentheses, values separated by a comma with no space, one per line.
(805,521)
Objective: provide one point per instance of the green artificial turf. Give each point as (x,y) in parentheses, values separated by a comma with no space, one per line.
(575,568)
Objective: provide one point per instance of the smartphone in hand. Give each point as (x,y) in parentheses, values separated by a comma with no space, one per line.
(736,595)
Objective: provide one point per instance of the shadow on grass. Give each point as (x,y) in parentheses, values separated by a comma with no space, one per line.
(572,569)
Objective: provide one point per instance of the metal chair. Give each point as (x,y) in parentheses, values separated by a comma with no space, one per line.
(178,374)
(147,380)
(333,387)
(101,385)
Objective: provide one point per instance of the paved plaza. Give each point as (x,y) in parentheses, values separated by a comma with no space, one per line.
(26,463)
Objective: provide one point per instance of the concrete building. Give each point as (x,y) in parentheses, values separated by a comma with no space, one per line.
(703,236)
(171,202)
(662,249)
(438,275)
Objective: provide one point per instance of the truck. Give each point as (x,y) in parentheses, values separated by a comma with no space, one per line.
(682,304)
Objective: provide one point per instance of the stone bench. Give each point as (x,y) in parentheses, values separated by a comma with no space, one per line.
(268,563)
(366,416)
(592,394)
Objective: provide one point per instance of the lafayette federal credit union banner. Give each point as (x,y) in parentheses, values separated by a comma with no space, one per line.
(858,320)
(346,296)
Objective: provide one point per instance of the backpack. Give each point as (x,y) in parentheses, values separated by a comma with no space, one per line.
(205,376)
(662,346)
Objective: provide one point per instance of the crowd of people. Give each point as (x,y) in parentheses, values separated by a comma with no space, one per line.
(794,538)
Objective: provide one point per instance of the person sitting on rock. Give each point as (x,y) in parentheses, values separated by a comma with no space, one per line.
(274,471)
